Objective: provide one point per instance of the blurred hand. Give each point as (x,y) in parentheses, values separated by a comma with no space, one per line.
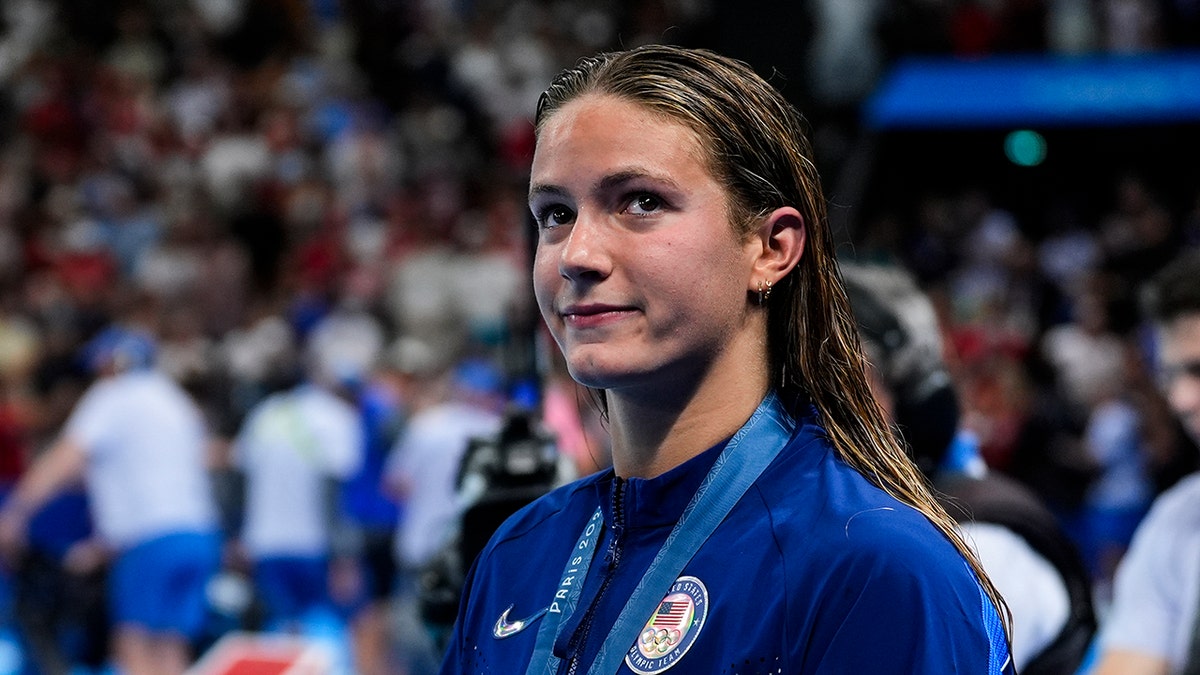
(85,557)
(13,536)
(346,581)
(234,556)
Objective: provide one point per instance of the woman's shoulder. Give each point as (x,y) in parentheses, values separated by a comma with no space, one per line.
(857,563)
(892,539)
(825,511)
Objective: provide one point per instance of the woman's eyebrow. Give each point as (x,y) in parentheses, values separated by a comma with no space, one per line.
(619,178)
(606,184)
(539,190)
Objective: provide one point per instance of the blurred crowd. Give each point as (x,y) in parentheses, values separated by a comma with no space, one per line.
(1053,359)
(330,193)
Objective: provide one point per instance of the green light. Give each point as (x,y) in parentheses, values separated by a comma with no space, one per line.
(1025,147)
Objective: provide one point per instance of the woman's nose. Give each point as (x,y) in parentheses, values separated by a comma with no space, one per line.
(585,253)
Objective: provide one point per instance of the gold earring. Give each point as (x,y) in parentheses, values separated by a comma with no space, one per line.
(764,292)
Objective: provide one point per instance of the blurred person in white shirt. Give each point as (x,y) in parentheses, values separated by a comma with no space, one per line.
(139,443)
(294,450)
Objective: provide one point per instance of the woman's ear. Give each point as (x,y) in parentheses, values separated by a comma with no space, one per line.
(779,245)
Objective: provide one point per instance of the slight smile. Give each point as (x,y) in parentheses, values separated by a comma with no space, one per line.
(594,315)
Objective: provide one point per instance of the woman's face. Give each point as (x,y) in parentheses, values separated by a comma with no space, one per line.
(638,271)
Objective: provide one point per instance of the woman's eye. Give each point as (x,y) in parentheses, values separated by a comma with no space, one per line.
(644,204)
(553,216)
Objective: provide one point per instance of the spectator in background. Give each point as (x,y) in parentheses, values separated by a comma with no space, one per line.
(1085,353)
(457,404)
(1071,26)
(451,404)
(59,595)
(58,610)
(1137,235)
(1151,628)
(373,513)
(1021,544)
(140,443)
(846,58)
(1131,26)
(295,449)
(256,355)
(1090,358)
(1121,491)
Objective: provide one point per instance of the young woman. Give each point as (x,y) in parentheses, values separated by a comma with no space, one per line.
(760,516)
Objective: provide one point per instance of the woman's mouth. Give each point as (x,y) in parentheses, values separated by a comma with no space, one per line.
(594,315)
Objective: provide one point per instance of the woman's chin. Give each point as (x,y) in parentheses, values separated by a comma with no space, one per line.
(599,376)
(592,378)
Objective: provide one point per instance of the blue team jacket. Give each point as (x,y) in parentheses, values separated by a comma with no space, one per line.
(815,570)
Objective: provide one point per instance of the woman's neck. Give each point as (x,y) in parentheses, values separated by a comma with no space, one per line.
(652,435)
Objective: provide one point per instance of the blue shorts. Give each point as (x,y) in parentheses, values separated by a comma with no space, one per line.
(292,586)
(160,585)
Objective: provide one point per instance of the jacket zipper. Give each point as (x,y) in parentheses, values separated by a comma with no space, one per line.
(611,558)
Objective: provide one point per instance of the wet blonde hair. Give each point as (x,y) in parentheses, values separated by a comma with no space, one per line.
(756,148)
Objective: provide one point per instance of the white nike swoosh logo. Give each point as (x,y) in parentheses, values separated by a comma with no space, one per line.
(504,628)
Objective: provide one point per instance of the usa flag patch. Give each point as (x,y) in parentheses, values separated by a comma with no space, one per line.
(672,629)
